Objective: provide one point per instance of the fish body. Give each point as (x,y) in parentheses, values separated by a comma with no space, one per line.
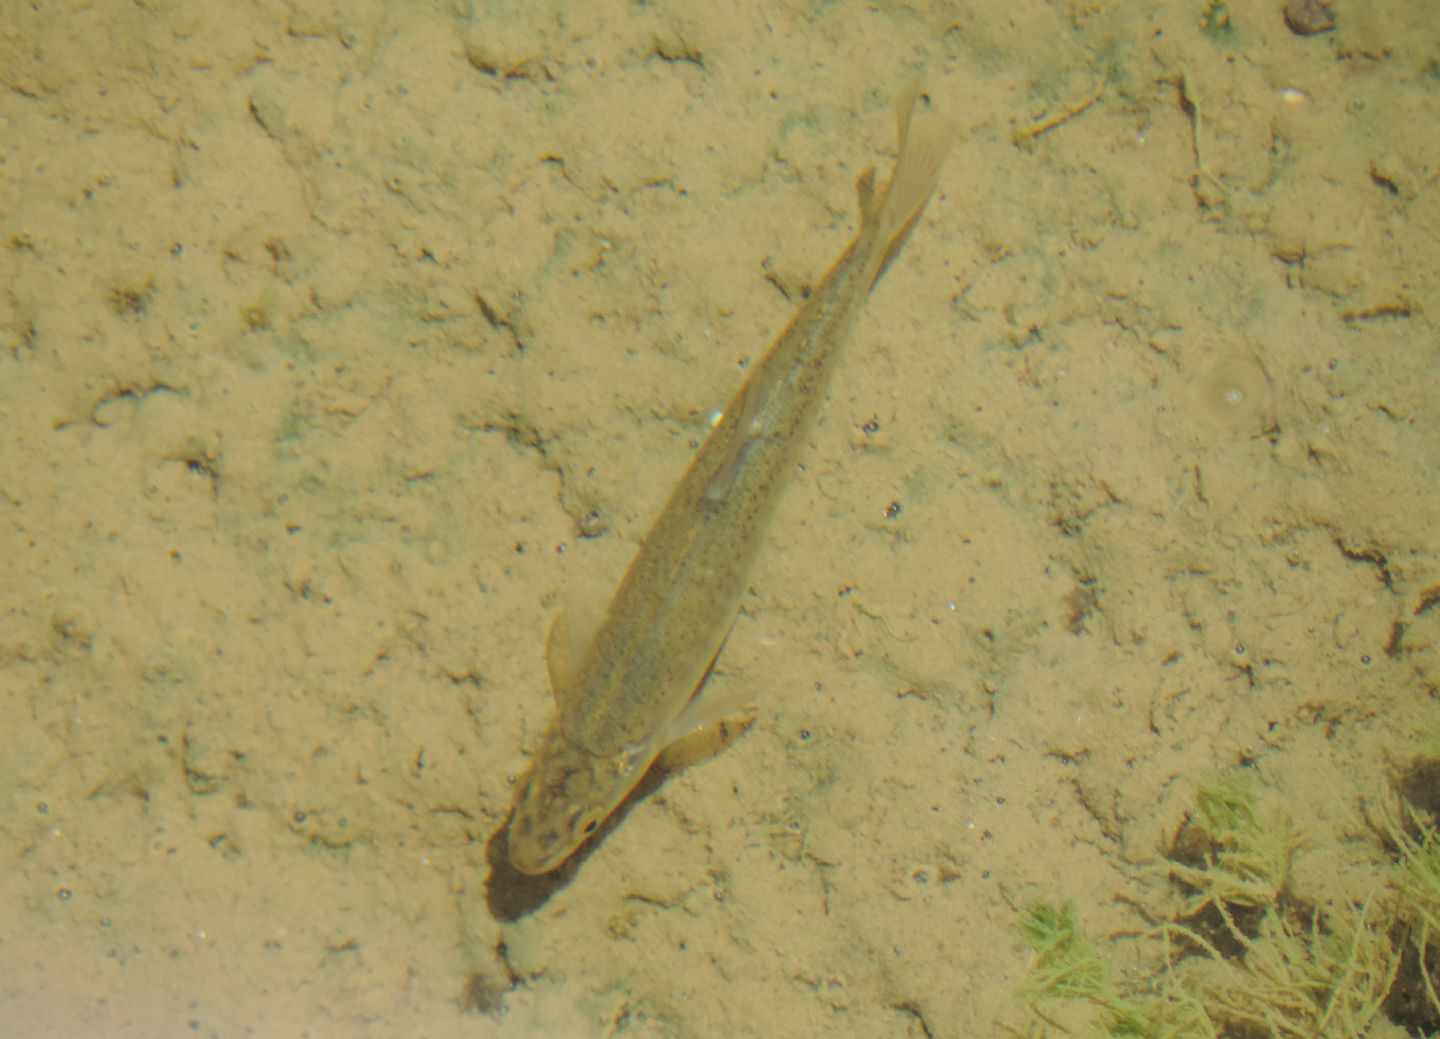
(635,686)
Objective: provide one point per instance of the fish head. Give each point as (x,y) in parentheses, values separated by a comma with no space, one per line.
(564,797)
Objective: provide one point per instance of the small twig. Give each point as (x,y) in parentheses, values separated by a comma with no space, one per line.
(1049,122)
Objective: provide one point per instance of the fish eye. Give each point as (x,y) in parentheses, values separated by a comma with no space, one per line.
(585,823)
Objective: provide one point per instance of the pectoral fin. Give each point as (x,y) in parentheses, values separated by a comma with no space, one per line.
(711,702)
(571,632)
(718,714)
(719,702)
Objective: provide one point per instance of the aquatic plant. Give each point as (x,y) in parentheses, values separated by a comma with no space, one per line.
(1417,878)
(1275,966)
(1066,966)
(1325,977)
(1226,858)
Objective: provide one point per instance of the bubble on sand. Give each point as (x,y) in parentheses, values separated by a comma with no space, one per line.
(1234,394)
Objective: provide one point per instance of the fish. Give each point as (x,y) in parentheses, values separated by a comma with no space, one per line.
(638,683)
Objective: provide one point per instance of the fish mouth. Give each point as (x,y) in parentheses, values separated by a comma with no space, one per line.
(531,867)
(532,861)
(535,852)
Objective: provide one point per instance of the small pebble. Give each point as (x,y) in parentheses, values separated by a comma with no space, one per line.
(1308,17)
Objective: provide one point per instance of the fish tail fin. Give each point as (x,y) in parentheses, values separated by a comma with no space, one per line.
(924,143)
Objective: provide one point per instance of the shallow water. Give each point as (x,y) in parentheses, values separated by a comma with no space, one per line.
(340,343)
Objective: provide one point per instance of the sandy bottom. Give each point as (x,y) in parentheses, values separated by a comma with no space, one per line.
(339,340)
